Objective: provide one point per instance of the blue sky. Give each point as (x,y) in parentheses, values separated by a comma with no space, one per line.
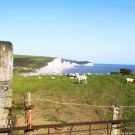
(101,31)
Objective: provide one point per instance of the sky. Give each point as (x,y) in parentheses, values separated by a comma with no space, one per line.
(100,31)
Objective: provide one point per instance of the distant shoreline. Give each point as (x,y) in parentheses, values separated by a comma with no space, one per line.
(56,67)
(99,69)
(82,69)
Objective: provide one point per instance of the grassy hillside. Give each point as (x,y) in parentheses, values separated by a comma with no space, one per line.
(30,62)
(100,90)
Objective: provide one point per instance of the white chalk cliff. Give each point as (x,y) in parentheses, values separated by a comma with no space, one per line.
(53,68)
(88,64)
(56,67)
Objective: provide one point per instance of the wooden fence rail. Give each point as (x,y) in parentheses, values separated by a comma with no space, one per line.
(127,127)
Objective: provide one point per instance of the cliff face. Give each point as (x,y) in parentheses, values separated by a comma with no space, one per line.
(53,68)
(61,65)
(56,67)
(88,64)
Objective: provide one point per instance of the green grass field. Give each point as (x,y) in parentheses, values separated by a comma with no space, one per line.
(100,90)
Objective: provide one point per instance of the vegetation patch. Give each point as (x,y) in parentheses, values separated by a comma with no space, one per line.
(28,63)
(101,90)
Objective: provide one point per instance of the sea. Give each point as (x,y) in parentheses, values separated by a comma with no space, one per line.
(99,69)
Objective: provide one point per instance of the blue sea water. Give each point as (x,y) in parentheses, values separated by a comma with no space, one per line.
(99,69)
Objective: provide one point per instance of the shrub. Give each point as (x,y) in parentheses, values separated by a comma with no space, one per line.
(115,73)
(125,71)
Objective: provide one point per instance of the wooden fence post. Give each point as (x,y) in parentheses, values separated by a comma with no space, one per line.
(28,112)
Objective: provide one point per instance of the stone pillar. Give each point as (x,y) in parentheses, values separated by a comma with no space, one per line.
(117,114)
(6,73)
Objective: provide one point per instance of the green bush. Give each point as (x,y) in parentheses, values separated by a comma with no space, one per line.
(115,73)
(126,71)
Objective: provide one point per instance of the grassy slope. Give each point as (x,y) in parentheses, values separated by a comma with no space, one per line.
(31,61)
(100,90)
(105,89)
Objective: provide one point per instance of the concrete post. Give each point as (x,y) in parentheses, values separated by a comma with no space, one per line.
(117,114)
(6,72)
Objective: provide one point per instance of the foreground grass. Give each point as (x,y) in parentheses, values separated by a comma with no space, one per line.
(100,90)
